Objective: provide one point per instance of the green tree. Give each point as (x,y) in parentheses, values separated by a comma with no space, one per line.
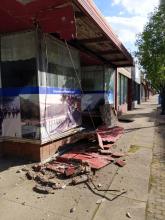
(151,51)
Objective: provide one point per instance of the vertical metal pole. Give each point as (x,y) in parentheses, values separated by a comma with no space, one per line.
(1,97)
(116,89)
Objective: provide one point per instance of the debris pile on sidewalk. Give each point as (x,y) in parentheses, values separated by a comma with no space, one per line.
(76,165)
(109,135)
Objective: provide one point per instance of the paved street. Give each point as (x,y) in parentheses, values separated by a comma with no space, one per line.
(143,177)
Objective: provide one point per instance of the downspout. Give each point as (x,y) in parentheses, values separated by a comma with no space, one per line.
(116,90)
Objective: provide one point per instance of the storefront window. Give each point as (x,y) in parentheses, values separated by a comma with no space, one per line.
(93,78)
(123,89)
(93,87)
(18,60)
(59,71)
(19,116)
(59,78)
(109,84)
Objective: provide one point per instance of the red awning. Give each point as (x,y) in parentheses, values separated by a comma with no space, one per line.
(70,19)
(53,16)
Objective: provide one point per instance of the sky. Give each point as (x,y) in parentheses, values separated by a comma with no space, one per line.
(127,17)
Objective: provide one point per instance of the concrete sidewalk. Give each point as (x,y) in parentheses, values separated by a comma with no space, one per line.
(156,202)
(18,201)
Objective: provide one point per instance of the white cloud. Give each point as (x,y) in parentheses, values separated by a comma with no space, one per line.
(121,13)
(137,7)
(135,23)
(127,27)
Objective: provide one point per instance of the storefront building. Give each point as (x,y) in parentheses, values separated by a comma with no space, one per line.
(124,94)
(59,61)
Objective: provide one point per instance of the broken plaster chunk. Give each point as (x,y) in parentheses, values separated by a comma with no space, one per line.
(19,171)
(87,169)
(106,152)
(100,201)
(38,167)
(80,179)
(120,163)
(72,210)
(118,154)
(24,169)
(31,175)
(63,187)
(40,178)
(43,189)
(51,182)
(58,186)
(128,215)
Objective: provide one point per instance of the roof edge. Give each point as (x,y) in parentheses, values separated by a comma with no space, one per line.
(91,9)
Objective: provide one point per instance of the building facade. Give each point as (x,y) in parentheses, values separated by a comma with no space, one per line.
(123,91)
(55,69)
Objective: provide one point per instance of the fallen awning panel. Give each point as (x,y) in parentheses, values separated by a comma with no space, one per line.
(94,160)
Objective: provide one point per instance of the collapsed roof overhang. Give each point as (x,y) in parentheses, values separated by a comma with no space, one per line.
(94,34)
(77,21)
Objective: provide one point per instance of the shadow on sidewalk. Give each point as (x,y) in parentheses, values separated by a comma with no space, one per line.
(134,115)
(138,128)
(8,162)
